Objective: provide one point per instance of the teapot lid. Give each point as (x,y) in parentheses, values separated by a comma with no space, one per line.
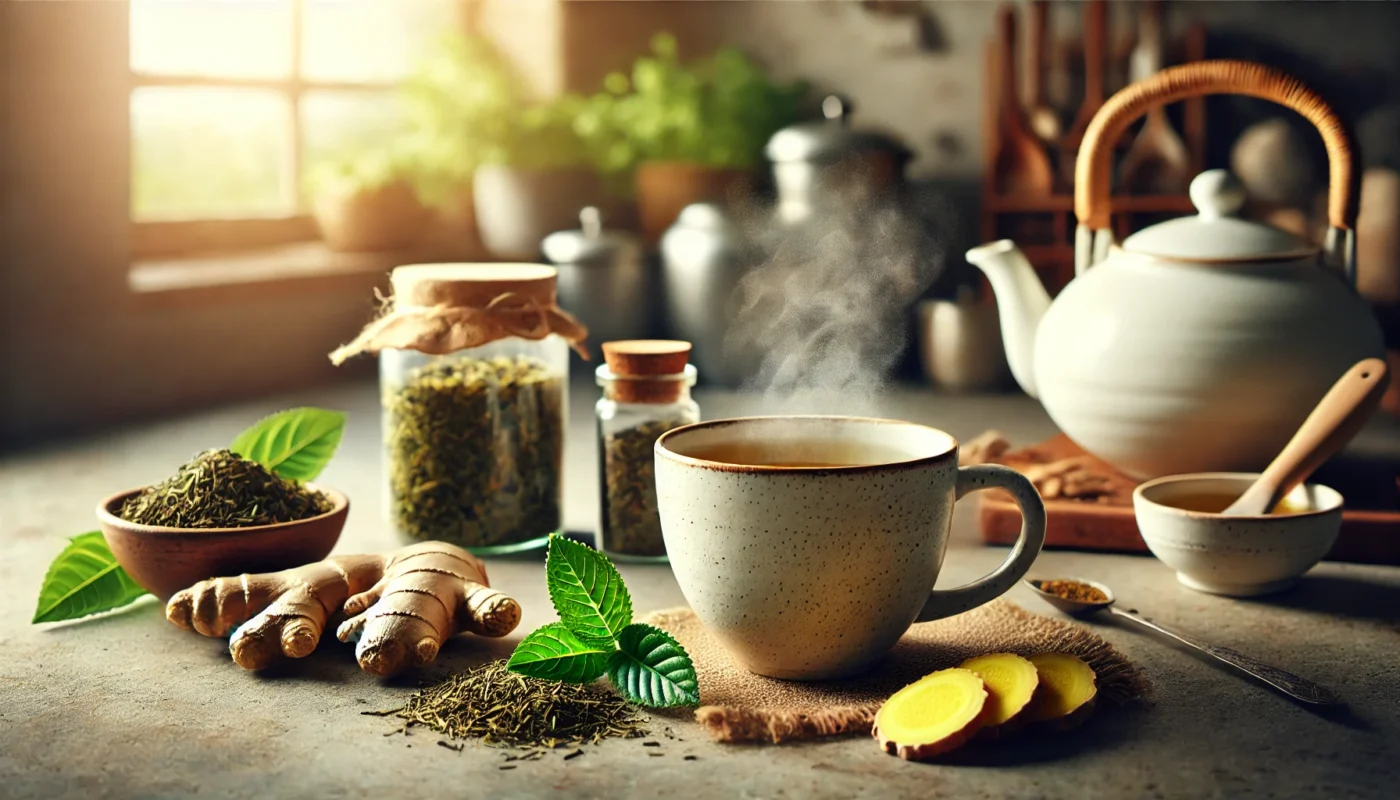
(829,139)
(1216,233)
(589,244)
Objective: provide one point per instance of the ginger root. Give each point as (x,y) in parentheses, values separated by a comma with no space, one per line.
(984,449)
(1066,693)
(401,605)
(931,716)
(1011,683)
(1068,477)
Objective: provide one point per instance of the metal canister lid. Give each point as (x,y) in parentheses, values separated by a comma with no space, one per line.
(830,139)
(591,243)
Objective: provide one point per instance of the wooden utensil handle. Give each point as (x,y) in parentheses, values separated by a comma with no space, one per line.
(1333,422)
(1093,168)
(1095,24)
(1006,26)
(1035,51)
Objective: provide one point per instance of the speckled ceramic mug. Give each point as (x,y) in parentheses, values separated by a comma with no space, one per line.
(809,545)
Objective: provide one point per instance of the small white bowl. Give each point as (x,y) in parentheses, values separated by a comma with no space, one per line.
(1235,556)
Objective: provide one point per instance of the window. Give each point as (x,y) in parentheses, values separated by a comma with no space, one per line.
(233,100)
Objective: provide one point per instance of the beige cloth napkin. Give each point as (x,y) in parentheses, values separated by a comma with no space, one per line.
(739,706)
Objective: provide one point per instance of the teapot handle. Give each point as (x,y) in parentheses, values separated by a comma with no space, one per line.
(1093,167)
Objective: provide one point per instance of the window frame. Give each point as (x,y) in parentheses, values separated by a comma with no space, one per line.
(157,238)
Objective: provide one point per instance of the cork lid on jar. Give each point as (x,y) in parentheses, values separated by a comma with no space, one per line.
(647,370)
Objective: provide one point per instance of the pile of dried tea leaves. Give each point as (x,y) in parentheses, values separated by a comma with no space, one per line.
(475,449)
(507,709)
(631,518)
(220,489)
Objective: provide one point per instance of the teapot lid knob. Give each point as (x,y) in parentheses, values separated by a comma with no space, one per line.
(591,221)
(1217,193)
(836,108)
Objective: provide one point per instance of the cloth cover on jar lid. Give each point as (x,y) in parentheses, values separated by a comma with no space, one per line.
(441,308)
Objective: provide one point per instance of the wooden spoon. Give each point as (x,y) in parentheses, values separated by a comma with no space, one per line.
(1157,162)
(1335,420)
(1044,121)
(1095,20)
(1022,165)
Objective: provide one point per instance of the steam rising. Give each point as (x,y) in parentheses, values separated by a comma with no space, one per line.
(825,314)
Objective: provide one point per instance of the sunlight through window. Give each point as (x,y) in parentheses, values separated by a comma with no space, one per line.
(235,100)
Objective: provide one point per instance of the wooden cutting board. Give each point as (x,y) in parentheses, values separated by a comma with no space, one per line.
(1368,535)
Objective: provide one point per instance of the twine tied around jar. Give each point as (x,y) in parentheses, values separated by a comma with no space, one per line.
(459,322)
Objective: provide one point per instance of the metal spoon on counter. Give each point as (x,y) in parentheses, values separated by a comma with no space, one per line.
(1300,689)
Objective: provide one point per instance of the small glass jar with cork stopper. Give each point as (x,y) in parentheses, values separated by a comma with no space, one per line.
(646,392)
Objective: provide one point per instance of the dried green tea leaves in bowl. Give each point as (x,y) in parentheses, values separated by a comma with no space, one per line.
(475,451)
(219,489)
(507,709)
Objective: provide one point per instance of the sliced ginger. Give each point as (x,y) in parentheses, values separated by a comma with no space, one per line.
(1067,690)
(931,716)
(1011,683)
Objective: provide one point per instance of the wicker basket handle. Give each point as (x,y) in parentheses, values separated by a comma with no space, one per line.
(1093,168)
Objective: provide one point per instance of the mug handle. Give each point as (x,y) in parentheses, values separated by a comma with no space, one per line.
(947,602)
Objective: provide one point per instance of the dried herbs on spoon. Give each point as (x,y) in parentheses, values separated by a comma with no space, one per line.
(219,489)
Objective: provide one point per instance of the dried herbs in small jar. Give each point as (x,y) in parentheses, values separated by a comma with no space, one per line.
(474,368)
(646,392)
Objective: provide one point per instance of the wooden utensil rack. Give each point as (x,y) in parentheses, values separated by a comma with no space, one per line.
(1043,224)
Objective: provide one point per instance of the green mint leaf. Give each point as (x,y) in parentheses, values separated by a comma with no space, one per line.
(587,592)
(85,579)
(650,668)
(295,444)
(555,654)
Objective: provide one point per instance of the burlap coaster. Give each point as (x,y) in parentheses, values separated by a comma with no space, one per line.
(739,706)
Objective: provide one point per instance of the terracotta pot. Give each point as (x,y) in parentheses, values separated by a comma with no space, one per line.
(388,217)
(453,230)
(165,560)
(516,208)
(666,187)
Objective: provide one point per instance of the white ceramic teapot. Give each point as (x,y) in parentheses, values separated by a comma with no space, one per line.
(1199,344)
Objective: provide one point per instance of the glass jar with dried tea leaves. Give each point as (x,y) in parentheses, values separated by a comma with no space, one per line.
(474,368)
(646,392)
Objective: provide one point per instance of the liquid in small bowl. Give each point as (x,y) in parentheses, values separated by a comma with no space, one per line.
(1215,502)
(1181,521)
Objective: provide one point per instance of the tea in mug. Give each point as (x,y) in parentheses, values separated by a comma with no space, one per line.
(797,454)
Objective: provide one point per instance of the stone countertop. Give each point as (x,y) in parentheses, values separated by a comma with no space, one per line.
(128,705)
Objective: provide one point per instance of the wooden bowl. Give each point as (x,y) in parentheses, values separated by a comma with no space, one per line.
(165,560)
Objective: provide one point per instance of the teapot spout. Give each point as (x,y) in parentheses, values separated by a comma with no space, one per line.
(1021,303)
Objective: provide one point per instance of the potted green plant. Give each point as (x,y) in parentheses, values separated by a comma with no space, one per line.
(459,105)
(538,180)
(514,169)
(366,201)
(694,131)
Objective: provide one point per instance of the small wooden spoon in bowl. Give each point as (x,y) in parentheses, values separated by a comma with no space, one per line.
(1333,423)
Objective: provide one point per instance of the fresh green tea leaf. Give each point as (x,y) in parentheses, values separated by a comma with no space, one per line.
(85,579)
(296,443)
(652,669)
(554,653)
(587,592)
